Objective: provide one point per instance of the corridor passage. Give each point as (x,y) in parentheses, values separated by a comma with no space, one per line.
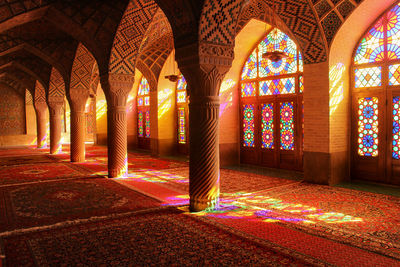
(57,213)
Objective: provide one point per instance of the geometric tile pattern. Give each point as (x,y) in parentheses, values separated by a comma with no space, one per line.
(12,8)
(298,17)
(82,68)
(345,8)
(56,85)
(322,8)
(156,47)
(40,93)
(218,21)
(129,36)
(337,10)
(331,25)
(183,15)
(28,98)
(12,112)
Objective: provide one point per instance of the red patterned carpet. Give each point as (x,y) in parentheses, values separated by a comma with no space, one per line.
(25,173)
(261,221)
(162,238)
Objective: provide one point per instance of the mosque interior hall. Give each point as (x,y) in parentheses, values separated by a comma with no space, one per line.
(199,133)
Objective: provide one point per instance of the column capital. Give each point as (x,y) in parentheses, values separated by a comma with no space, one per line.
(117,87)
(78,98)
(204,70)
(40,105)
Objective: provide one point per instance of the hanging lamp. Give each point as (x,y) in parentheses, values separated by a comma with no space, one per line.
(275,55)
(173,77)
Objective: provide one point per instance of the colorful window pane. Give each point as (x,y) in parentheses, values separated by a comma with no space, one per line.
(182,126)
(144,87)
(287,126)
(394,74)
(147,123)
(277,41)
(267,125)
(301,84)
(147,100)
(393,32)
(248,89)
(250,67)
(300,63)
(248,125)
(371,48)
(278,86)
(368,77)
(140,124)
(181,84)
(181,97)
(368,126)
(396,128)
(140,101)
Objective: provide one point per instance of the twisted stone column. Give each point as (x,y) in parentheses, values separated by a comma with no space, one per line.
(204,65)
(117,141)
(55,107)
(204,153)
(116,88)
(40,108)
(78,98)
(78,135)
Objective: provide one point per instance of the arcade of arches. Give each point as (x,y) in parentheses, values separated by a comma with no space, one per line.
(80,72)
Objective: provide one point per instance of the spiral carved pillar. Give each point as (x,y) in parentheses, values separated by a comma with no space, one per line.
(78,100)
(40,108)
(78,135)
(56,108)
(116,88)
(117,142)
(204,65)
(204,153)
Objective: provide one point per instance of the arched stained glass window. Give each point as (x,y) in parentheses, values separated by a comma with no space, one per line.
(182,115)
(143,117)
(376,91)
(271,104)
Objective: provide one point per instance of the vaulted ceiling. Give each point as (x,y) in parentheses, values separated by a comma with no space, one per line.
(39,35)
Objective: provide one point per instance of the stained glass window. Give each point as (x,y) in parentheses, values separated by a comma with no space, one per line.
(393,33)
(250,67)
(182,125)
(144,87)
(267,125)
(396,128)
(248,125)
(278,86)
(181,90)
(287,125)
(371,47)
(368,77)
(181,108)
(140,124)
(301,84)
(263,83)
(248,89)
(368,126)
(277,41)
(147,123)
(143,99)
(394,74)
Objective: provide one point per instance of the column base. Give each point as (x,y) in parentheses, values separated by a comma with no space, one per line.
(203,204)
(78,159)
(117,174)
